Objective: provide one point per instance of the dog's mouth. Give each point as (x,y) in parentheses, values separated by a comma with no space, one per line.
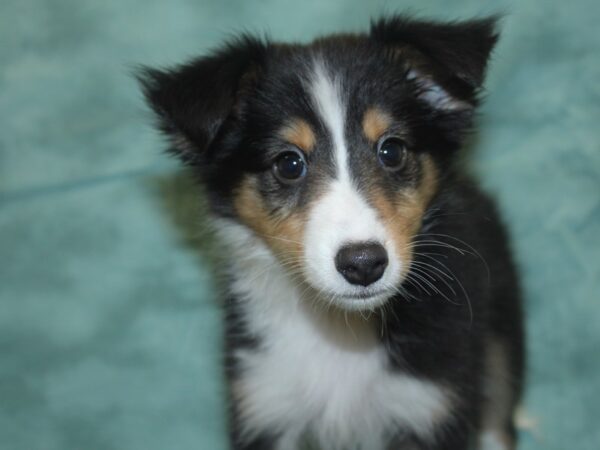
(360,301)
(363,295)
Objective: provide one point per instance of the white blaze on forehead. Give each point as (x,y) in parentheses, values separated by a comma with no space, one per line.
(326,93)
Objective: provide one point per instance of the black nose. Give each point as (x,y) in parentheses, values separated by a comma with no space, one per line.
(362,263)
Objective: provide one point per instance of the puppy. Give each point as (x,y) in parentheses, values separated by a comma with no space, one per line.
(372,300)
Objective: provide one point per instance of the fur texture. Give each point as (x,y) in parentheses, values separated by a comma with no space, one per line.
(414,341)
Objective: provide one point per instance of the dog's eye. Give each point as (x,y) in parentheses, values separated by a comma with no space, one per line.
(289,167)
(392,153)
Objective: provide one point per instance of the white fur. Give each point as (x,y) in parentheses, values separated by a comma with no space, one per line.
(318,373)
(329,103)
(342,216)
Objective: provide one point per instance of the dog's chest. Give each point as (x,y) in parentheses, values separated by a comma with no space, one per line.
(300,385)
(330,384)
(319,376)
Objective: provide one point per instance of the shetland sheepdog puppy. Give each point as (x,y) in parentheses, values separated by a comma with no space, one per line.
(372,302)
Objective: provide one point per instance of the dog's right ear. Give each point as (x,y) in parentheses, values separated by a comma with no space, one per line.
(195,100)
(446,61)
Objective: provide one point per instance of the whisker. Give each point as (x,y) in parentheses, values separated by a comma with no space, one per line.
(470,247)
(423,265)
(431,266)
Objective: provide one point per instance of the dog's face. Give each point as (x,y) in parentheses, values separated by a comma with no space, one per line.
(331,152)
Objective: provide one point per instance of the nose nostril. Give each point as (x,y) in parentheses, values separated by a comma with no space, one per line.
(362,263)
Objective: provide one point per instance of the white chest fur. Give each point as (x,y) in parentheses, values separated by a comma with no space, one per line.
(319,373)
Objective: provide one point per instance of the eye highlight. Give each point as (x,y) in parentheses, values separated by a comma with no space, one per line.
(289,167)
(392,153)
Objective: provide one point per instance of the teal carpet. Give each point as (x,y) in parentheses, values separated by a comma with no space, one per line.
(109,328)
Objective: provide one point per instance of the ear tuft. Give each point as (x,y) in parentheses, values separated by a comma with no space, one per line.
(436,96)
(462,49)
(193,101)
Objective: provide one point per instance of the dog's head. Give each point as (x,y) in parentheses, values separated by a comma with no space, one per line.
(331,152)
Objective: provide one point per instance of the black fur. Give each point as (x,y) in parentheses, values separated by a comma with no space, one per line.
(221,112)
(428,335)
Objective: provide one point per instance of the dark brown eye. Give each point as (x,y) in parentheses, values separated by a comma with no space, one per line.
(289,167)
(392,154)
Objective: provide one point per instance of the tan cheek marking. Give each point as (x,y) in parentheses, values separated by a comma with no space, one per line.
(300,134)
(282,234)
(375,123)
(402,217)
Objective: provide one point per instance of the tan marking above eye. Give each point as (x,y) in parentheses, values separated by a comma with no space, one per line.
(375,123)
(299,133)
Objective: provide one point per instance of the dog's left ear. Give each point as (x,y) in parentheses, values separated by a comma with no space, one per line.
(447,61)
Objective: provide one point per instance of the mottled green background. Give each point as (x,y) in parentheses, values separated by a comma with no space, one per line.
(109,329)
